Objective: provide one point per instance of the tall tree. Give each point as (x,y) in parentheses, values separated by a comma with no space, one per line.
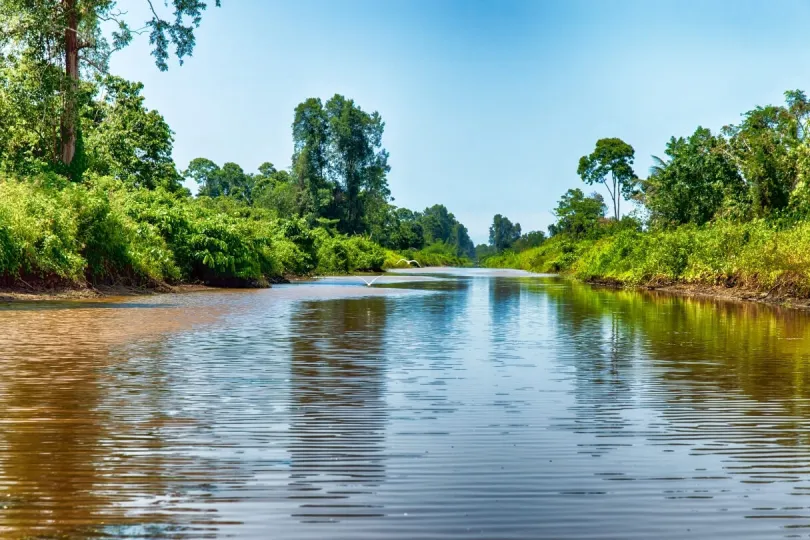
(30,107)
(529,240)
(358,163)
(206,174)
(230,180)
(611,163)
(126,140)
(440,225)
(275,190)
(437,222)
(503,233)
(68,34)
(763,148)
(310,159)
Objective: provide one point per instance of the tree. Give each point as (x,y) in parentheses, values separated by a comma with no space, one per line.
(441,226)
(764,149)
(340,165)
(437,222)
(358,163)
(460,239)
(205,173)
(502,233)
(126,140)
(578,215)
(230,180)
(275,190)
(235,183)
(408,232)
(29,113)
(529,240)
(67,34)
(693,184)
(484,251)
(310,160)
(611,163)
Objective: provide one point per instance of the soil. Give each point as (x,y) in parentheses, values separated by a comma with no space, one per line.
(26,293)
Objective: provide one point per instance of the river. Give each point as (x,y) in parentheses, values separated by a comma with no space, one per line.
(473,403)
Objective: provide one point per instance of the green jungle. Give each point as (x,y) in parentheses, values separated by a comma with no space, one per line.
(90,194)
(728,209)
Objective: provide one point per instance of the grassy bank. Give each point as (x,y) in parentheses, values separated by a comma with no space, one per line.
(755,256)
(54,233)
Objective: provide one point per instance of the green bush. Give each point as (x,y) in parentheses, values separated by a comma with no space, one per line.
(435,254)
(38,233)
(339,254)
(106,232)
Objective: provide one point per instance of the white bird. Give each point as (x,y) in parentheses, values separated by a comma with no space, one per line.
(409,262)
(368,283)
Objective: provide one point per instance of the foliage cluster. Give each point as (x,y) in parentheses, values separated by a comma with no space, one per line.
(102,231)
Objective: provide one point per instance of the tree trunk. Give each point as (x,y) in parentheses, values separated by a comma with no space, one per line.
(71,82)
(617,197)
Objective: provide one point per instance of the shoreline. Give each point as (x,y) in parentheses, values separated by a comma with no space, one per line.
(28,293)
(40,292)
(718,292)
(57,294)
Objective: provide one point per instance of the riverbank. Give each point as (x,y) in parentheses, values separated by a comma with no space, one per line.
(773,297)
(754,261)
(25,293)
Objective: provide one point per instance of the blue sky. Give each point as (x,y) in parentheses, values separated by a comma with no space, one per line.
(488,105)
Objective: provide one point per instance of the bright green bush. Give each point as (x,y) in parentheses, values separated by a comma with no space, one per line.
(117,247)
(208,245)
(435,254)
(38,233)
(106,232)
(339,254)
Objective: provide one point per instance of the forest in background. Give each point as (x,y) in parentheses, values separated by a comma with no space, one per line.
(89,192)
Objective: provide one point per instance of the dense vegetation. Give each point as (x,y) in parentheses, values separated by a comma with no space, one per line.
(89,191)
(730,208)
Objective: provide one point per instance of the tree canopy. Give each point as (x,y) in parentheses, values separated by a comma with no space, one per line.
(693,184)
(611,163)
(578,215)
(59,41)
(503,233)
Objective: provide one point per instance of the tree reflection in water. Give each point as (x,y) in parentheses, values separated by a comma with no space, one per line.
(338,410)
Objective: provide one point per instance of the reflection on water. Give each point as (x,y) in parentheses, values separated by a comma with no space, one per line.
(495,405)
(338,413)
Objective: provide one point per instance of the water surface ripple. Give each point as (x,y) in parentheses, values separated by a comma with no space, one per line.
(468,404)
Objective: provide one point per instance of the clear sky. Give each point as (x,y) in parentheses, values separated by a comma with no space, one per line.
(488,104)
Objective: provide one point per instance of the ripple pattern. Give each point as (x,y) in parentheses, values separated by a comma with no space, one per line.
(467,404)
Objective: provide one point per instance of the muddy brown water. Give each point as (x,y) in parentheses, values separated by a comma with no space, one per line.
(467,404)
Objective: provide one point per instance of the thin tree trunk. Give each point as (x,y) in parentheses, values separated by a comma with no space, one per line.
(72,81)
(617,198)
